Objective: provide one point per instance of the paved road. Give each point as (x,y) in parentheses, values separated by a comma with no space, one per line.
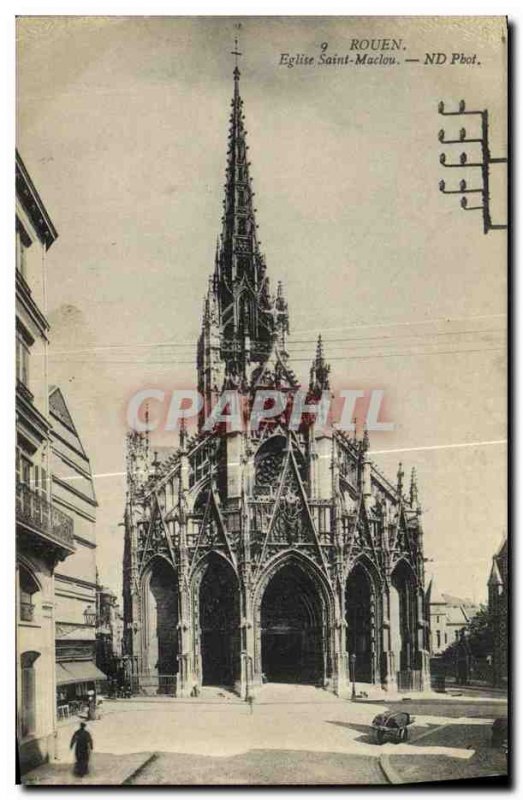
(485,761)
(262,767)
(292,735)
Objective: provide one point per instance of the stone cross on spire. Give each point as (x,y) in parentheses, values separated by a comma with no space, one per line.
(236,52)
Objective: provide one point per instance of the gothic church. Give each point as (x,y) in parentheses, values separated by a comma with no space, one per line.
(272,555)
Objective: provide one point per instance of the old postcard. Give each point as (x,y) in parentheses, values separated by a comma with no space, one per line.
(261,381)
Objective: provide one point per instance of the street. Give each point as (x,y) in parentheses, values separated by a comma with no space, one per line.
(292,735)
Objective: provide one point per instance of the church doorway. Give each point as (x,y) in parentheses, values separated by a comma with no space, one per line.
(219,624)
(359,604)
(403,615)
(291,628)
(162,634)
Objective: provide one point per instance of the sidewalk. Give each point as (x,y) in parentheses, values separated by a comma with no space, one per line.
(485,760)
(104,769)
(454,695)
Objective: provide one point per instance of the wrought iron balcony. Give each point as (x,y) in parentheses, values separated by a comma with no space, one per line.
(37,513)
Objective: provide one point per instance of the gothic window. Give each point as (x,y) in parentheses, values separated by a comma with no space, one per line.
(268,464)
(242,227)
(200,503)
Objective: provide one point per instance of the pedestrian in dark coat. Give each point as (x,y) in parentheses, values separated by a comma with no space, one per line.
(83,744)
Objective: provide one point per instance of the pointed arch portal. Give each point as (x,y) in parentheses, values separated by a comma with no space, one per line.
(291,628)
(359,616)
(219,623)
(403,613)
(162,623)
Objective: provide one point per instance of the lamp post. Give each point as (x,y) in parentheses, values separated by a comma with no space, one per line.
(353,670)
(90,615)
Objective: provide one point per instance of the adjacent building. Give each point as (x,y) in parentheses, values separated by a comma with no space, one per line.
(44,532)
(498,602)
(271,554)
(448,617)
(109,632)
(72,491)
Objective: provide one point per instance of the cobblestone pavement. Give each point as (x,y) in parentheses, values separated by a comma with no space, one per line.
(485,761)
(292,734)
(263,767)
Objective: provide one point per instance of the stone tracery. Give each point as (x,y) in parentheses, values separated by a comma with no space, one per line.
(241,507)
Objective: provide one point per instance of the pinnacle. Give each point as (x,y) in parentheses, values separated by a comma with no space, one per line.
(244,308)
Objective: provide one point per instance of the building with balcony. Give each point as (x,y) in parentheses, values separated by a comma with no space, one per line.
(75,581)
(44,532)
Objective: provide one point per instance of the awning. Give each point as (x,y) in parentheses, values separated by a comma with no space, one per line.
(62,676)
(78,672)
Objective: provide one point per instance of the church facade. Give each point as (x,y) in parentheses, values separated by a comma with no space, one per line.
(269,554)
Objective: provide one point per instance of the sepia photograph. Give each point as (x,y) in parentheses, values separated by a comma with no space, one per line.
(261,401)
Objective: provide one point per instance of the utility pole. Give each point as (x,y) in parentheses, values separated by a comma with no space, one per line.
(483,164)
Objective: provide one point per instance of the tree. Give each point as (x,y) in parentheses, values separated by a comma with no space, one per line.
(479,634)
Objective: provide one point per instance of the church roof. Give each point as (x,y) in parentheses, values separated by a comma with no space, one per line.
(499,571)
(457,615)
(495,576)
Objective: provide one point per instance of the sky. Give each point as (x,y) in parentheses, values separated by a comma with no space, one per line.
(122,123)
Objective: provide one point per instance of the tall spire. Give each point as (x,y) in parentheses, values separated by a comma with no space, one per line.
(251,321)
(240,263)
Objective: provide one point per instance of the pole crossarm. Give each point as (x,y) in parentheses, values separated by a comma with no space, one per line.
(483,164)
